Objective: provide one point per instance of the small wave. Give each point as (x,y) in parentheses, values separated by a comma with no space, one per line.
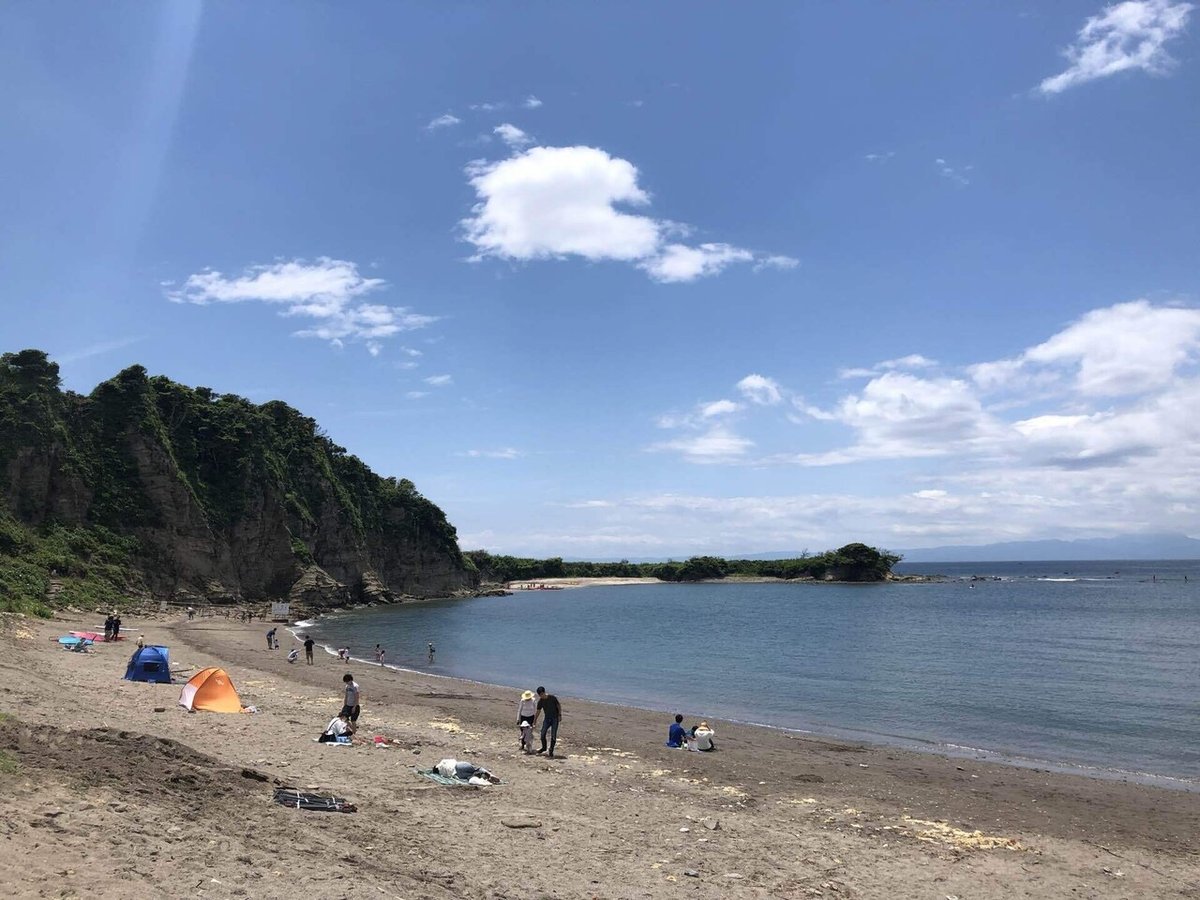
(307,623)
(1058,579)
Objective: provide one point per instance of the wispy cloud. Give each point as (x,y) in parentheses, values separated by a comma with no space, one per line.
(328,291)
(531,102)
(445,120)
(1122,37)
(760,390)
(439,380)
(950,173)
(97,349)
(513,136)
(556,202)
(502,453)
(416,395)
(879,157)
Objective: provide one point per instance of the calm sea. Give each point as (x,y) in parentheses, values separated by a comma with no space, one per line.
(1089,665)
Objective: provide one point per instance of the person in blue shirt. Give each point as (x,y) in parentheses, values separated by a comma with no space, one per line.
(677,736)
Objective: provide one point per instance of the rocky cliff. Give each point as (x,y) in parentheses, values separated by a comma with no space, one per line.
(155,488)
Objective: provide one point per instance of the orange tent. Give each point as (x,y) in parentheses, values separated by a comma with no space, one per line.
(212,690)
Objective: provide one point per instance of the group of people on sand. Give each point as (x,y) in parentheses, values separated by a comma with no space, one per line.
(699,737)
(112,627)
(532,706)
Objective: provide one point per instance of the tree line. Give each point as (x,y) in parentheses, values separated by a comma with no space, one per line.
(853,562)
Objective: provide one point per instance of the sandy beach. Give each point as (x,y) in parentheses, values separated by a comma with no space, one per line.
(108,788)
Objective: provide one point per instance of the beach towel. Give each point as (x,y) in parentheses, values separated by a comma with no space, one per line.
(434,775)
(300,800)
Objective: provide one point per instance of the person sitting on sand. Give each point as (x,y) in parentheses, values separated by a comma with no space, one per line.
(141,641)
(464,771)
(339,730)
(293,654)
(676,734)
(702,737)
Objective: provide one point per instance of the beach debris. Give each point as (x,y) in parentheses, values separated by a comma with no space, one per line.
(711,824)
(948,835)
(691,873)
(1113,873)
(684,830)
(520,822)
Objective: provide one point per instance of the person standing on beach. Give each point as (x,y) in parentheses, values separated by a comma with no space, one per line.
(378,654)
(551,711)
(308,648)
(116,627)
(431,652)
(271,639)
(526,716)
(351,702)
(108,628)
(192,613)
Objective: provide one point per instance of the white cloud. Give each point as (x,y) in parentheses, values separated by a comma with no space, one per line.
(879,157)
(718,444)
(329,291)
(443,121)
(677,262)
(416,395)
(898,415)
(439,380)
(513,136)
(531,102)
(556,202)
(760,390)
(1122,37)
(775,261)
(912,361)
(487,107)
(950,173)
(503,453)
(1116,351)
(718,408)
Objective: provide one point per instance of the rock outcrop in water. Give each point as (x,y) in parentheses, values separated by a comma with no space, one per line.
(155,488)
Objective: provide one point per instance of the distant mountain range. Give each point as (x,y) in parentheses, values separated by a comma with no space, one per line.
(1126,546)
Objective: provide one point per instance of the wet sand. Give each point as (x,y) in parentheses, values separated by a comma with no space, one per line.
(100,795)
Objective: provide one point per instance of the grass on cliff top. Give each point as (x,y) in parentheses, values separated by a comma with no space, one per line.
(87,566)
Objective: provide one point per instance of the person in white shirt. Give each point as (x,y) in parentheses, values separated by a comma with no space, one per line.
(350,705)
(339,726)
(702,738)
(526,713)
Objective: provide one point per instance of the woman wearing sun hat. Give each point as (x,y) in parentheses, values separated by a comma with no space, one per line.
(526,711)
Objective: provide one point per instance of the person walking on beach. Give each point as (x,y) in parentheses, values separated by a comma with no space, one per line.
(350,703)
(551,711)
(271,639)
(308,648)
(526,716)
(192,613)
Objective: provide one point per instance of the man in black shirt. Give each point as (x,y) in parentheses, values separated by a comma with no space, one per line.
(308,645)
(551,710)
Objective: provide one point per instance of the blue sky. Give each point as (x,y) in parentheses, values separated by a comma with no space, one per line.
(640,280)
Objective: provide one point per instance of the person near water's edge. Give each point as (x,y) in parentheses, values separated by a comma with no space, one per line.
(551,711)
(350,705)
(677,734)
(431,651)
(308,648)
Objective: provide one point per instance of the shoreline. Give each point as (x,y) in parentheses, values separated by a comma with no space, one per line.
(841,735)
(619,815)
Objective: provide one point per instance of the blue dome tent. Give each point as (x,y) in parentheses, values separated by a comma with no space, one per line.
(149,664)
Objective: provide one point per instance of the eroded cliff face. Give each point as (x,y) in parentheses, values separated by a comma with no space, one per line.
(227,500)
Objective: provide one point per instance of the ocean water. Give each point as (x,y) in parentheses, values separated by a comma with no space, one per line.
(1079,665)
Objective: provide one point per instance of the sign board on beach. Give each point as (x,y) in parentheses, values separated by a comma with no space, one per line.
(280,611)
